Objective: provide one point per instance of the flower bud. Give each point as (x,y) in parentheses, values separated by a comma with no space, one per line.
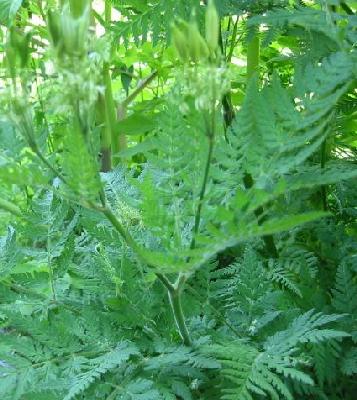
(198,49)
(74,32)
(212,26)
(54,27)
(69,33)
(78,7)
(184,27)
(179,41)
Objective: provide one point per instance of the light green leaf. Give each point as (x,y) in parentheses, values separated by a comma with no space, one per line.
(8,10)
(137,124)
(286,223)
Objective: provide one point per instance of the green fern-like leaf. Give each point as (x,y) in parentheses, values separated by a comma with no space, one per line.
(349,362)
(100,366)
(345,292)
(80,168)
(151,21)
(9,253)
(247,371)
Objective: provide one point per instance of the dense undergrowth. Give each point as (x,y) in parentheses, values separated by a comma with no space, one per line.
(178,200)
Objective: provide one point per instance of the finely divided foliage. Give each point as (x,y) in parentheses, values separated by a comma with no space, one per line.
(178,203)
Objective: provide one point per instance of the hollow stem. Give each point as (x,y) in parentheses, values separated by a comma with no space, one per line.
(233,41)
(202,191)
(173,290)
(176,306)
(121,141)
(322,164)
(107,108)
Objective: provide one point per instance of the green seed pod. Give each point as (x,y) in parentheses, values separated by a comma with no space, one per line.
(197,47)
(78,7)
(183,26)
(180,43)
(69,33)
(54,27)
(204,50)
(82,31)
(212,26)
(74,32)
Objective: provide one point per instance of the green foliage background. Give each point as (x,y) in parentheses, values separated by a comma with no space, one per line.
(178,217)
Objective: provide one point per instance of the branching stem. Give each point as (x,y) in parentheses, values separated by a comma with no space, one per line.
(112,218)
(173,290)
(121,142)
(233,41)
(49,165)
(175,302)
(143,84)
(175,294)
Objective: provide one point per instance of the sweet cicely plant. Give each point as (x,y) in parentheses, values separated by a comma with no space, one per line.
(178,200)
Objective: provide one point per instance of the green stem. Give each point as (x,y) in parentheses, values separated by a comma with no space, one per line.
(121,142)
(107,11)
(233,41)
(228,110)
(253,56)
(210,133)
(50,266)
(202,191)
(173,290)
(346,8)
(139,89)
(129,240)
(175,302)
(323,187)
(48,164)
(109,139)
(121,115)
(165,281)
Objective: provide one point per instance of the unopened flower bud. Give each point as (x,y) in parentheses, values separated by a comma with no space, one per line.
(212,26)
(198,49)
(74,32)
(180,43)
(54,27)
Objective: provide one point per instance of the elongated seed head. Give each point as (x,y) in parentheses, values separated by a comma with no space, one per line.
(212,26)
